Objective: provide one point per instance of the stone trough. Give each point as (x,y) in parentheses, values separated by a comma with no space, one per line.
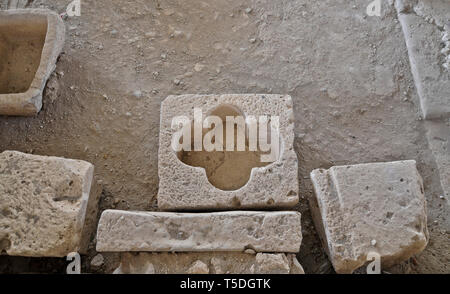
(30,43)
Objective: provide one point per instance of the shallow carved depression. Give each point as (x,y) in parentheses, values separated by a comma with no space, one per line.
(21,44)
(226,170)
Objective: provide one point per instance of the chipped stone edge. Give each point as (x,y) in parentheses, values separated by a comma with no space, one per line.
(320,178)
(94,191)
(81,237)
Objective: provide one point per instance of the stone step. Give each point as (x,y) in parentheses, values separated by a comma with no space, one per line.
(123,231)
(369,208)
(47,207)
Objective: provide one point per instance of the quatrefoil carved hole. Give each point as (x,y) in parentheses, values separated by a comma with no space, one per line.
(226,170)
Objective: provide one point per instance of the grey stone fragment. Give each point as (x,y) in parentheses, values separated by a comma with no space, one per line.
(43,205)
(355,205)
(198,267)
(97,261)
(122,231)
(272,264)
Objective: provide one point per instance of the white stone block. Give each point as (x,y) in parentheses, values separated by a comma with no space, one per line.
(364,208)
(43,205)
(123,231)
(202,180)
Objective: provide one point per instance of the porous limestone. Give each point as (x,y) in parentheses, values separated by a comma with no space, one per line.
(123,231)
(208,262)
(30,43)
(272,263)
(423,26)
(45,203)
(438,135)
(364,208)
(198,268)
(227,180)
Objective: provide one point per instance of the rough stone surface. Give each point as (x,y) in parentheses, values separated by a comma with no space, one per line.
(272,263)
(296,267)
(438,134)
(43,204)
(198,267)
(187,186)
(30,43)
(121,231)
(359,204)
(424,25)
(208,262)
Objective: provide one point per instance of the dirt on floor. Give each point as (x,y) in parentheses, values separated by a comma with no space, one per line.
(348,75)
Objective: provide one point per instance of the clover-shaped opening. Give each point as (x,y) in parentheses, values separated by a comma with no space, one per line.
(230,170)
(21,44)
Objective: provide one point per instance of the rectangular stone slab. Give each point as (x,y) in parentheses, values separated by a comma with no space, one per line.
(364,208)
(43,204)
(122,231)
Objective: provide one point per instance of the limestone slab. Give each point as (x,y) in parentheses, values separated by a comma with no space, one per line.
(227,180)
(123,231)
(43,204)
(438,135)
(208,263)
(30,43)
(425,26)
(364,208)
